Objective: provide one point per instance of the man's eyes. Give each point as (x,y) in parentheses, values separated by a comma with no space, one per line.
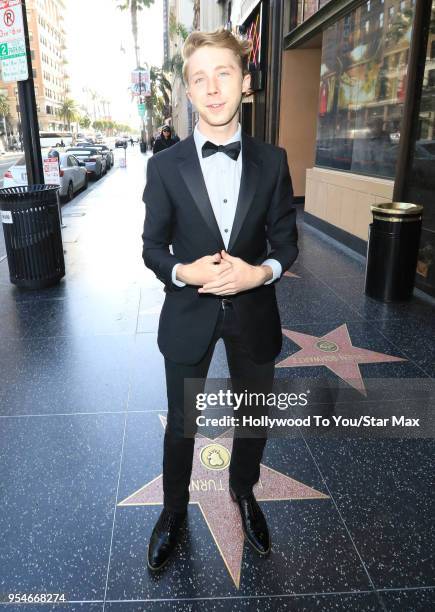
(202,78)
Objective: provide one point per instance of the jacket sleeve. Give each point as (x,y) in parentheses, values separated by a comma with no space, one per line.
(282,233)
(157,232)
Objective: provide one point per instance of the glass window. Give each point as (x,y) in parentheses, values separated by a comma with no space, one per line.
(362,90)
(420,177)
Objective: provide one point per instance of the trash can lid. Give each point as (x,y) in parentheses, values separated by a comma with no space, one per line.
(28,192)
(397,209)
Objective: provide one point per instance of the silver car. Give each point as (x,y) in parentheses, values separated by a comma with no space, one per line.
(103,149)
(94,162)
(73,176)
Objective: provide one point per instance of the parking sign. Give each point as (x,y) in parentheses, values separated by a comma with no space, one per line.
(12,42)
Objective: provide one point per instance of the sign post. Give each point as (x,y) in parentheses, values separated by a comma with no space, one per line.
(16,65)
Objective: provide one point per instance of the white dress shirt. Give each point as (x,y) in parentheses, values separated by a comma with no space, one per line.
(222,177)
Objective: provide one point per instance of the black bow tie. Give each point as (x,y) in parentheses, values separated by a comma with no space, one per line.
(232,149)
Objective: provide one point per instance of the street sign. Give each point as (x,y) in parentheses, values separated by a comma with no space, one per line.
(140,79)
(51,171)
(12,42)
(141,109)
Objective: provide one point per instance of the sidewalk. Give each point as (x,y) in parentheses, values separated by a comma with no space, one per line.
(82,411)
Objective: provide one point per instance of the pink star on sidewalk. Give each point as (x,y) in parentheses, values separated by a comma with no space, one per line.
(209,489)
(335,351)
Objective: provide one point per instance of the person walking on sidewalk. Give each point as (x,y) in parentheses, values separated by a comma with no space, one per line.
(219,197)
(164,141)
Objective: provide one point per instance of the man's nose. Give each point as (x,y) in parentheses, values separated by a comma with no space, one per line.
(212,86)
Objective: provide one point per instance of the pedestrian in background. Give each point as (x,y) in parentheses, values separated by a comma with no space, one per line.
(164,141)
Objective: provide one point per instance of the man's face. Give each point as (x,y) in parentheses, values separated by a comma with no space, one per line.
(215,84)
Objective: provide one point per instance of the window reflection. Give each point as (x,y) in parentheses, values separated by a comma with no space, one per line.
(362,88)
(420,179)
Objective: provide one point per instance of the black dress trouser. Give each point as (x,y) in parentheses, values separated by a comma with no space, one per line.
(247,451)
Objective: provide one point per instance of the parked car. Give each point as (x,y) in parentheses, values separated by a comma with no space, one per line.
(92,159)
(104,150)
(73,176)
(121,142)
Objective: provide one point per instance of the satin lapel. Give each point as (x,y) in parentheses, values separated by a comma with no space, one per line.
(248,185)
(190,170)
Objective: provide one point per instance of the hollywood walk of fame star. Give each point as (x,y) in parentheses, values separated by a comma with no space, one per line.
(209,489)
(335,351)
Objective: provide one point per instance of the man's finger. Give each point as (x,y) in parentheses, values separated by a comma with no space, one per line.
(222,268)
(219,282)
(216,287)
(222,291)
(227,257)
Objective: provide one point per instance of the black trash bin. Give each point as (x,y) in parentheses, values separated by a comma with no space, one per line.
(31,226)
(392,251)
(143,147)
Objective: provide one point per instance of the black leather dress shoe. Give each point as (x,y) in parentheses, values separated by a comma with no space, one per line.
(253,522)
(164,538)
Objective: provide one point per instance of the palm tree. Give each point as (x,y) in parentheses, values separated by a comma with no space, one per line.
(68,111)
(4,112)
(134,6)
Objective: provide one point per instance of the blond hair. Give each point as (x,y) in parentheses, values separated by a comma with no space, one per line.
(220,38)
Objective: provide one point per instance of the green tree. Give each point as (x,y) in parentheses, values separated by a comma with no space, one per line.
(160,86)
(68,111)
(4,106)
(4,113)
(84,121)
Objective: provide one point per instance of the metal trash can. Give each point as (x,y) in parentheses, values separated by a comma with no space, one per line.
(392,251)
(31,226)
(143,147)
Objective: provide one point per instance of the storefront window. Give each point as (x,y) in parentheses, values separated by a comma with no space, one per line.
(362,88)
(420,178)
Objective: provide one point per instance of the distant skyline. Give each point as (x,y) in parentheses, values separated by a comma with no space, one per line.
(95,56)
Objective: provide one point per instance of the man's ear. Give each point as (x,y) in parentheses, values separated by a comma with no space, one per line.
(246,83)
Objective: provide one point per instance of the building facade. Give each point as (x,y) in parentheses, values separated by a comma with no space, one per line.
(180,21)
(47,47)
(356,114)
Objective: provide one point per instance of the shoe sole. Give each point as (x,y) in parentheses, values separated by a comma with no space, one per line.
(263,553)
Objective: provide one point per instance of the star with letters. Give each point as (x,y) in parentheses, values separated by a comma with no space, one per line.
(335,351)
(209,490)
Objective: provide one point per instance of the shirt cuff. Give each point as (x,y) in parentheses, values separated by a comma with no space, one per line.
(276,269)
(174,278)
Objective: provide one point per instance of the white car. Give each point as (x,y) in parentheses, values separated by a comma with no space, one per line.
(73,176)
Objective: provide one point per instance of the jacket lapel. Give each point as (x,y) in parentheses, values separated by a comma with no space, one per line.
(191,173)
(248,184)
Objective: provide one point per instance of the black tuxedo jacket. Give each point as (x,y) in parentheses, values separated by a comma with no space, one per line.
(178,212)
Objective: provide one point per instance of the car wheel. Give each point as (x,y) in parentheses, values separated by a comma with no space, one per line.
(70,192)
(86,183)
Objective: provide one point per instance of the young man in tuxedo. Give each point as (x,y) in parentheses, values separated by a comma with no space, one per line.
(223,200)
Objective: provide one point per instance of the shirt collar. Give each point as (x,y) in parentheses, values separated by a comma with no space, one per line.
(200,139)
